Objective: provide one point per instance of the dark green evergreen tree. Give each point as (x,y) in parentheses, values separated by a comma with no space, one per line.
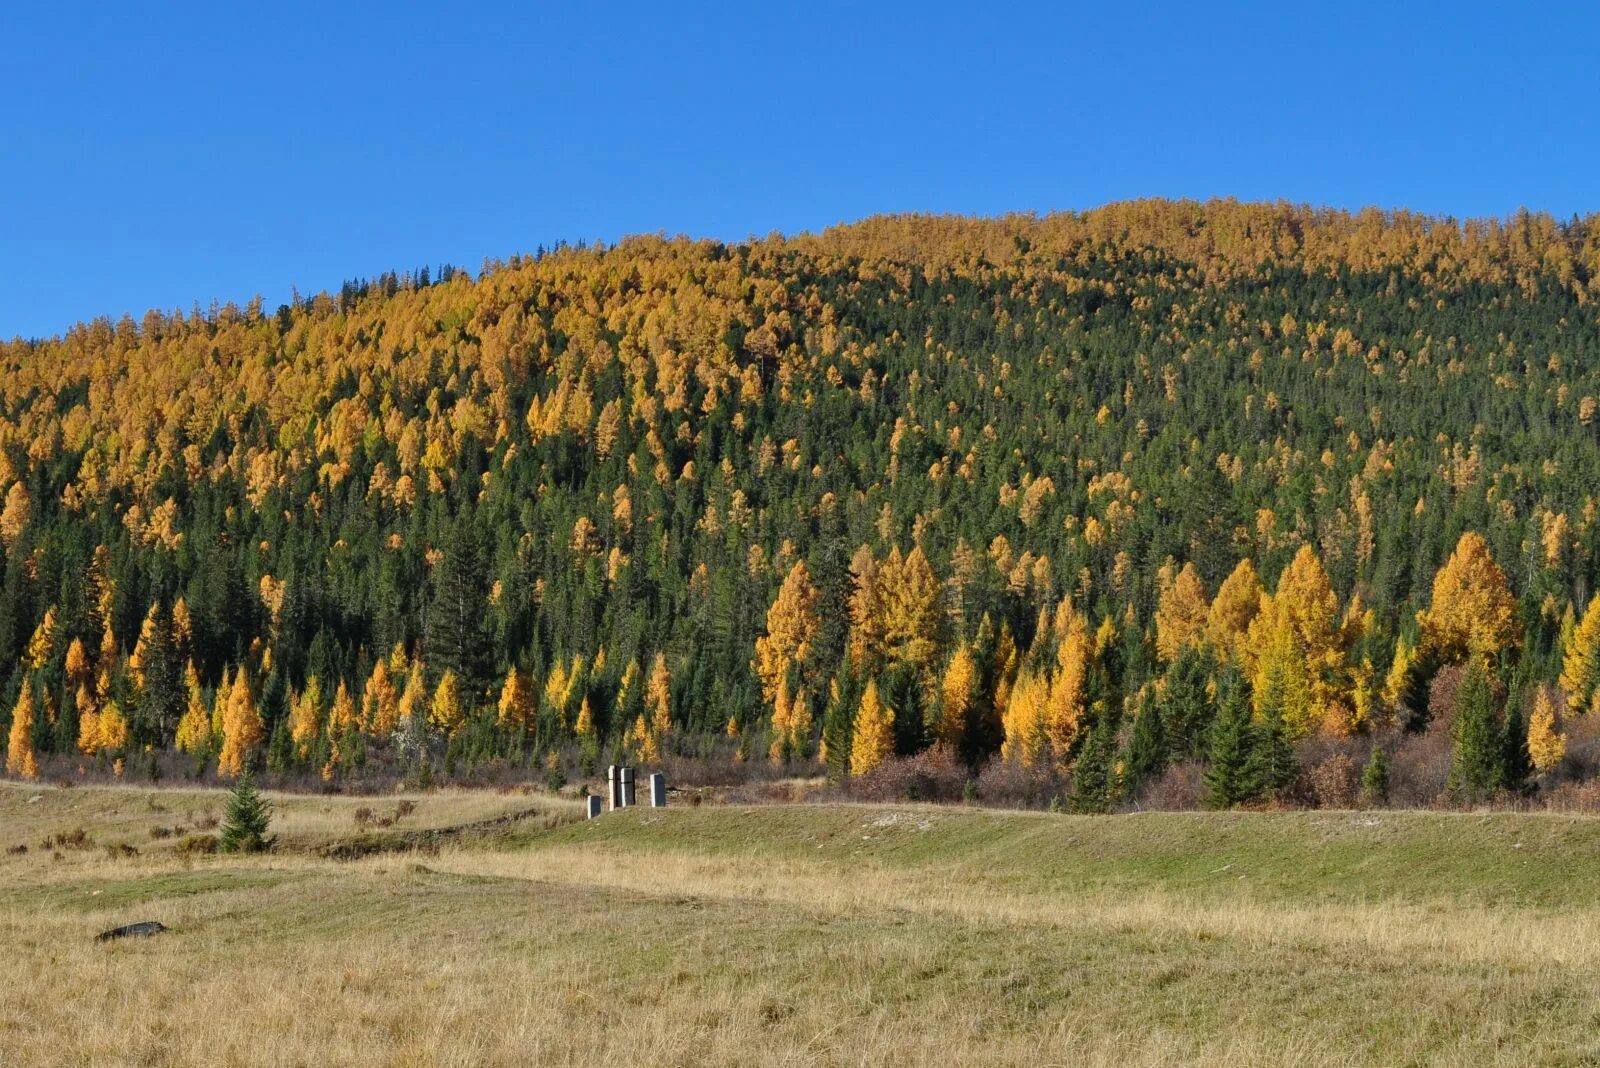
(1477,765)
(247,819)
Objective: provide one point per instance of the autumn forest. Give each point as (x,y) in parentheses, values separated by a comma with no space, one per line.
(1163,504)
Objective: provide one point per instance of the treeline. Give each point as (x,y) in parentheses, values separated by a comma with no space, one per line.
(1089,492)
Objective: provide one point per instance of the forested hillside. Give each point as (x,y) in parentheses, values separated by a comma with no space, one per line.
(1218,485)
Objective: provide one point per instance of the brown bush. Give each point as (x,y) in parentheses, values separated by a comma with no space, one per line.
(933,775)
(196,844)
(1180,788)
(1332,783)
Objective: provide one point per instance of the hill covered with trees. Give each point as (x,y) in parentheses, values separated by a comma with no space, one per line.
(1155,490)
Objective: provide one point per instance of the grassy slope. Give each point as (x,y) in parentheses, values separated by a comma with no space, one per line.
(839,934)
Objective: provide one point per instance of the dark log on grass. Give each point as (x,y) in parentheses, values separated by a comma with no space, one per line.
(143,929)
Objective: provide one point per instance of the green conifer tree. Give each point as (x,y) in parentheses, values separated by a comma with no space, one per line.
(249,815)
(1477,766)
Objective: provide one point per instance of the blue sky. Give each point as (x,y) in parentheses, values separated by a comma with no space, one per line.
(156,155)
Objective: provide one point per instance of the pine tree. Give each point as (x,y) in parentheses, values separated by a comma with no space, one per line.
(1093,777)
(1228,778)
(20,760)
(1477,766)
(247,819)
(1375,778)
(1187,707)
(1272,765)
(872,740)
(1146,756)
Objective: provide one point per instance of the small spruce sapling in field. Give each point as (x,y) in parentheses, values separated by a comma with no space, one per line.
(244,826)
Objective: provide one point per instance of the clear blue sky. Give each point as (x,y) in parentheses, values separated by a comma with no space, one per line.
(162,154)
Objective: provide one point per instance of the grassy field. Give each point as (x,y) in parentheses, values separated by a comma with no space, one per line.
(794,935)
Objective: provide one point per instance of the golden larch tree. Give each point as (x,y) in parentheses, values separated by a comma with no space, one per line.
(446,713)
(658,697)
(1580,660)
(913,610)
(1233,609)
(242,729)
(43,642)
(1182,614)
(305,718)
(873,740)
(958,697)
(1472,612)
(791,628)
(194,729)
(1547,746)
(380,702)
(1024,718)
(518,706)
(342,713)
(20,760)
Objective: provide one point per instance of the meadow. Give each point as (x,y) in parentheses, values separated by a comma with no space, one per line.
(501,929)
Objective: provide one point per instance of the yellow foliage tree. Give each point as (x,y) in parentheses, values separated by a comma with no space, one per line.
(1064,703)
(1182,614)
(446,713)
(20,760)
(913,609)
(873,739)
(113,729)
(791,628)
(1472,612)
(77,666)
(518,705)
(1580,661)
(342,714)
(413,700)
(194,729)
(958,697)
(242,729)
(1232,611)
(866,613)
(43,642)
(1547,746)
(380,702)
(658,697)
(305,718)
(1297,635)
(1024,719)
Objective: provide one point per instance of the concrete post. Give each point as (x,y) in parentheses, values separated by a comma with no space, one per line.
(627,787)
(594,805)
(658,790)
(614,783)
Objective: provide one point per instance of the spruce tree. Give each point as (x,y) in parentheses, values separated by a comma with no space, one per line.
(1375,778)
(1093,778)
(1146,757)
(245,824)
(1229,778)
(1272,761)
(1186,706)
(1477,766)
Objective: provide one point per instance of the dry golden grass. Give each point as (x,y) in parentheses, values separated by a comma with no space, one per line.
(788,936)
